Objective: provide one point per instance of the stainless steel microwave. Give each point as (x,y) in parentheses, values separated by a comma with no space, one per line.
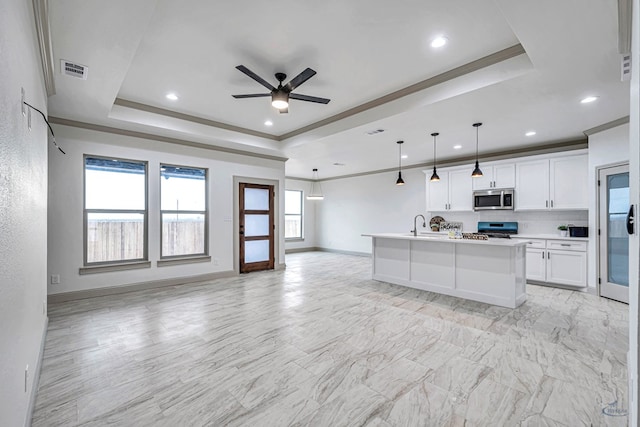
(500,199)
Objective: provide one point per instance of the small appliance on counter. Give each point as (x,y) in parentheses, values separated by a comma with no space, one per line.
(500,199)
(578,231)
(500,230)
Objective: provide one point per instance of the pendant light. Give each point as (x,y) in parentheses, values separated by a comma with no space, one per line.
(434,176)
(477,173)
(316,188)
(400,181)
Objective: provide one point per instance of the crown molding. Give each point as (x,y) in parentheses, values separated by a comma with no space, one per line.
(43,33)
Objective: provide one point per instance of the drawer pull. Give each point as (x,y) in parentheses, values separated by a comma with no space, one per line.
(565,244)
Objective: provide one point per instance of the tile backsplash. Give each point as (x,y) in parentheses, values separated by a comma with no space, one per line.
(533,222)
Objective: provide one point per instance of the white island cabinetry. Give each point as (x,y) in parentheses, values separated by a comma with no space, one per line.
(491,271)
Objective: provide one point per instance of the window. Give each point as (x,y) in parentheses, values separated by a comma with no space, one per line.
(293,214)
(115,210)
(183,200)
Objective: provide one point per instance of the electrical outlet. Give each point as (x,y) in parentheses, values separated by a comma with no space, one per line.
(22,104)
(55,279)
(26,378)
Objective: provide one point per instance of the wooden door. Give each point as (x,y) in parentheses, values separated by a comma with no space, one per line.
(257,227)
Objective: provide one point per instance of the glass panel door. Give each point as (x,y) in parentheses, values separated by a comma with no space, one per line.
(256,227)
(614,240)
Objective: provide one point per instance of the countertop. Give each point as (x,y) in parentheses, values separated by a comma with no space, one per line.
(549,237)
(443,238)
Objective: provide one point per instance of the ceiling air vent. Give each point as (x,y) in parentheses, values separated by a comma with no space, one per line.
(74,70)
(375,131)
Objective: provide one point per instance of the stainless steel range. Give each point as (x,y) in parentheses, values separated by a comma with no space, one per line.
(500,230)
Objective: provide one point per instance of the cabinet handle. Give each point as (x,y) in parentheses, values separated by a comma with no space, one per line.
(552,203)
(542,254)
(565,244)
(546,203)
(548,255)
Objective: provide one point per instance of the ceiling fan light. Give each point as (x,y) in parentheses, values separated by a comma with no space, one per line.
(280,100)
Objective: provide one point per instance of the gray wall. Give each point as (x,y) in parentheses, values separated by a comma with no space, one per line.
(23,211)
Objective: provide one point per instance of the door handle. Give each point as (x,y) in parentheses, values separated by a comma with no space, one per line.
(630,220)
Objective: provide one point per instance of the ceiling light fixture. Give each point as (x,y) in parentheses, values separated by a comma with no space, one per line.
(477,173)
(588,99)
(457,147)
(400,181)
(268,123)
(439,41)
(316,188)
(434,176)
(530,133)
(172,96)
(280,99)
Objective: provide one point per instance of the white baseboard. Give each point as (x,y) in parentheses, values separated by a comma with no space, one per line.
(36,379)
(113,290)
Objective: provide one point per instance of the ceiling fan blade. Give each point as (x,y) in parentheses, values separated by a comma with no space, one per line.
(299,79)
(255,77)
(283,111)
(309,98)
(252,95)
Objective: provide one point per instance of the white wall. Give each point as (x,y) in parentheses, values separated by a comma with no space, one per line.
(605,148)
(23,211)
(308,215)
(66,205)
(368,204)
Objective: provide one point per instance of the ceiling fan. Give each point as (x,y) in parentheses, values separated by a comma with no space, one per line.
(281,95)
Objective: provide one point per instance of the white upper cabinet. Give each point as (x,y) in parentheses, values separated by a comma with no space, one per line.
(452,193)
(568,178)
(496,176)
(532,185)
(556,183)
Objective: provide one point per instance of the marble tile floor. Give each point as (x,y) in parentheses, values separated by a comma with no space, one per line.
(321,344)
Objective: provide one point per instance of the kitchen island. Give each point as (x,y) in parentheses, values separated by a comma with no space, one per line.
(490,271)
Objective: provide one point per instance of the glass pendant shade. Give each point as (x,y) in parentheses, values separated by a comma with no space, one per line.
(400,181)
(434,175)
(316,188)
(477,173)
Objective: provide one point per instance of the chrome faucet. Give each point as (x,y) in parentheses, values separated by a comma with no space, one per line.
(415,227)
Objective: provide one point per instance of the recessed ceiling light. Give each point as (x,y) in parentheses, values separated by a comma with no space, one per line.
(172,96)
(530,133)
(589,99)
(268,123)
(457,147)
(439,41)
(404,156)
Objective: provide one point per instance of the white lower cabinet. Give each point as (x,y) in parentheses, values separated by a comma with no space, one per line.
(557,261)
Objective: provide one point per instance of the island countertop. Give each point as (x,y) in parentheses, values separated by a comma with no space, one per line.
(445,239)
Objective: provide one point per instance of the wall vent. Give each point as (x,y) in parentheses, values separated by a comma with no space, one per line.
(74,70)
(626,67)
